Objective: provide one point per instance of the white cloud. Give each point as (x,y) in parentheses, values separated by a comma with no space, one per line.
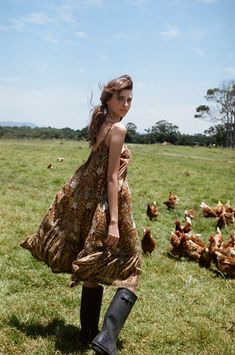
(92,3)
(136,2)
(35,18)
(3,29)
(81,34)
(38,18)
(9,80)
(126,37)
(198,51)
(51,38)
(65,13)
(40,67)
(207,1)
(172,32)
(230,70)
(197,33)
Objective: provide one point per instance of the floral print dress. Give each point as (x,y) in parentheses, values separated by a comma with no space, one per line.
(71,236)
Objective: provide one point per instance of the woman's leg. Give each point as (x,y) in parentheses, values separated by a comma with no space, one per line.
(115,317)
(90,306)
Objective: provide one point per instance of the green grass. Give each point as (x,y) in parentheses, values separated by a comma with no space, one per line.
(182,308)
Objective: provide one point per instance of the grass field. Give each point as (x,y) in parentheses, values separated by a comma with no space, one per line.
(182,308)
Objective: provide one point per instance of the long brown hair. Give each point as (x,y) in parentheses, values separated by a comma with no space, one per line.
(98,113)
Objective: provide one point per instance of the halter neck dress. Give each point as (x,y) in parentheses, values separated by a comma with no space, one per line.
(70,238)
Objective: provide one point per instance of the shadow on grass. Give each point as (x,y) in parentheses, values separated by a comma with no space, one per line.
(66,336)
(216,272)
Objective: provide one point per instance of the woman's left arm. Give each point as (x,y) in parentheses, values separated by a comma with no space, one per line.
(116,141)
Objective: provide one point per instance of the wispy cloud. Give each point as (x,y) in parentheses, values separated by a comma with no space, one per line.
(3,29)
(10,80)
(126,37)
(197,33)
(35,18)
(38,18)
(80,34)
(51,38)
(40,67)
(230,70)
(91,3)
(172,32)
(207,1)
(65,13)
(136,2)
(198,51)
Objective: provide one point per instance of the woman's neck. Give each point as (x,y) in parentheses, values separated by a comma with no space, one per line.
(112,119)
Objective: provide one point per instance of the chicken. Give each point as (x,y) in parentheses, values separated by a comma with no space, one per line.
(206,258)
(172,201)
(225,214)
(178,242)
(50,166)
(219,208)
(189,213)
(148,243)
(215,241)
(226,264)
(228,248)
(228,207)
(152,210)
(195,238)
(225,218)
(207,211)
(183,228)
(230,242)
(194,250)
(60,159)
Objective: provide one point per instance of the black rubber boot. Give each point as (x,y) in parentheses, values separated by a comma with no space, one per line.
(115,317)
(90,313)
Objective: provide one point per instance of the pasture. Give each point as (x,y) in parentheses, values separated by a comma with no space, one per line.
(182,308)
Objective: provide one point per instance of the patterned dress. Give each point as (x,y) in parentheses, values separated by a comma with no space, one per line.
(72,233)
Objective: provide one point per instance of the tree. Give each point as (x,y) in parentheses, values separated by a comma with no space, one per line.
(131,133)
(217,133)
(222,109)
(163,131)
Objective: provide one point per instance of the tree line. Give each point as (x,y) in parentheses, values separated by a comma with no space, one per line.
(221,110)
(161,132)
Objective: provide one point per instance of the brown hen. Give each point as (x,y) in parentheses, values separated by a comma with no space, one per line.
(152,210)
(148,243)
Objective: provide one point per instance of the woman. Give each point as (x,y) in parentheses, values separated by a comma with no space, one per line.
(89,230)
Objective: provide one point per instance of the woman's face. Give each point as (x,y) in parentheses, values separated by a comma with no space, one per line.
(119,104)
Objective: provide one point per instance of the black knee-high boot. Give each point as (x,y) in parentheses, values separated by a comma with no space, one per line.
(115,317)
(91,300)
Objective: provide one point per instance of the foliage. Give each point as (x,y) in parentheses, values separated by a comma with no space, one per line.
(222,109)
(181,308)
(161,132)
(41,132)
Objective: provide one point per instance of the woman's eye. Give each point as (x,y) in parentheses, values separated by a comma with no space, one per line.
(122,100)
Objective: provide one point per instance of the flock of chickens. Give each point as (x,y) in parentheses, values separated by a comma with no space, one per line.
(184,243)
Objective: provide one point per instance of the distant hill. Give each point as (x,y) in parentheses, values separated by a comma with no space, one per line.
(17,124)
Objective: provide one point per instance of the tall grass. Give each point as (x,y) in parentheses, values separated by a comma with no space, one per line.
(182,308)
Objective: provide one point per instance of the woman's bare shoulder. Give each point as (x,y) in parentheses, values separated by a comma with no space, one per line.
(117,133)
(118,127)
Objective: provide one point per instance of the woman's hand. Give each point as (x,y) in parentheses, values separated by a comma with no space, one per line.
(113,235)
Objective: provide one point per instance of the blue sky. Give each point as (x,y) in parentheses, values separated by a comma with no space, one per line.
(55,53)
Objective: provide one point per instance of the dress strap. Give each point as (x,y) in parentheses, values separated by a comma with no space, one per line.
(102,135)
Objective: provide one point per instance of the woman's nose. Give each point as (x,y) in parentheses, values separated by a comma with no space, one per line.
(125,103)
